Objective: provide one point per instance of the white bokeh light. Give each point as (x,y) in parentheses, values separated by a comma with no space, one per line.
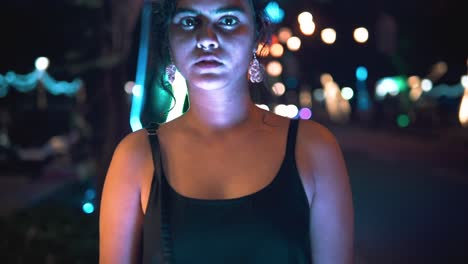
(328,35)
(305,18)
(307,29)
(426,85)
(464,81)
(129,87)
(281,110)
(42,63)
(294,43)
(263,106)
(278,88)
(347,93)
(274,68)
(361,35)
(137,90)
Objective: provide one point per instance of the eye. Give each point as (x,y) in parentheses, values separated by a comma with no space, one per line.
(188,22)
(229,21)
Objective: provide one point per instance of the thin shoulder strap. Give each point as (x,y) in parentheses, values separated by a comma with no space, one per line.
(152,130)
(292,135)
(164,253)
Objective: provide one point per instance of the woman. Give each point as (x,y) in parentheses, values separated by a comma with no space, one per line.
(243,185)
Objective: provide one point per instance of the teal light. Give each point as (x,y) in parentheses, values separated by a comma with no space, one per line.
(403,121)
(88,208)
(90,194)
(274,12)
(27,82)
(138,99)
(361,73)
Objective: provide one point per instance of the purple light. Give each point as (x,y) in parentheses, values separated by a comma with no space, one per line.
(305,113)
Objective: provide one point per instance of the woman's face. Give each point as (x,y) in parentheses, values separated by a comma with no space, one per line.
(212,41)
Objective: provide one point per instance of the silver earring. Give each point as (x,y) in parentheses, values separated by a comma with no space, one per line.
(171,72)
(256,70)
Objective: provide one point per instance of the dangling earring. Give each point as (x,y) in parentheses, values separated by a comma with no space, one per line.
(171,72)
(256,70)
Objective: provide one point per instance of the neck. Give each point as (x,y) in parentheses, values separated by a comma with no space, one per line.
(219,110)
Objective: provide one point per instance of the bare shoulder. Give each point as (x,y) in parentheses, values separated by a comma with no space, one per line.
(317,136)
(131,159)
(134,145)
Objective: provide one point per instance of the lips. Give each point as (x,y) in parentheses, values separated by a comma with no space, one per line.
(208,62)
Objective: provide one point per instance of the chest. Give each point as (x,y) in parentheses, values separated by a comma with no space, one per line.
(223,170)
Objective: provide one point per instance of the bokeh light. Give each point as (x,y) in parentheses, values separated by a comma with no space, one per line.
(361,73)
(263,106)
(305,18)
(88,208)
(403,120)
(294,43)
(276,50)
(328,36)
(319,95)
(278,89)
(274,12)
(307,29)
(325,78)
(274,68)
(361,35)
(284,34)
(292,111)
(128,87)
(137,90)
(42,63)
(426,85)
(305,98)
(464,81)
(281,110)
(386,86)
(347,93)
(305,113)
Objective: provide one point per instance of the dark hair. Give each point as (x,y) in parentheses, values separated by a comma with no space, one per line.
(157,85)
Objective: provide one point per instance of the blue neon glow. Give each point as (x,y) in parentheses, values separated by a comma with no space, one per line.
(274,12)
(362,96)
(27,82)
(88,208)
(137,101)
(90,194)
(361,73)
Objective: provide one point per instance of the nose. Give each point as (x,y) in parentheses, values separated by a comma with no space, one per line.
(207,38)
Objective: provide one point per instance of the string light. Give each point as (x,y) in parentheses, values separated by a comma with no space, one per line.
(27,82)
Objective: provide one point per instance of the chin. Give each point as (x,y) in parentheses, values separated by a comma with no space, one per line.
(208,82)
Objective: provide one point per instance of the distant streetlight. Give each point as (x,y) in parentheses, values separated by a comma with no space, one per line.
(42,63)
(361,35)
(328,36)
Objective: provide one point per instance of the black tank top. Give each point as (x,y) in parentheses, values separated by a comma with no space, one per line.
(268,226)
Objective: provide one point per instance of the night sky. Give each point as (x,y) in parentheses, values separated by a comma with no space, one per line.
(428,32)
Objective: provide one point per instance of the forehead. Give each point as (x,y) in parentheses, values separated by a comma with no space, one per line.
(211,6)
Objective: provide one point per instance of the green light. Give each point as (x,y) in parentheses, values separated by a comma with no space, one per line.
(401,83)
(403,121)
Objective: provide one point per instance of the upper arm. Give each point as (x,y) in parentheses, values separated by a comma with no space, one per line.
(121,214)
(331,212)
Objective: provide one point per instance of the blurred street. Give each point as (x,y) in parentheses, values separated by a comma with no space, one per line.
(410,197)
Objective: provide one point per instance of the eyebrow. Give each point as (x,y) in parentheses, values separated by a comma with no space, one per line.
(222,10)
